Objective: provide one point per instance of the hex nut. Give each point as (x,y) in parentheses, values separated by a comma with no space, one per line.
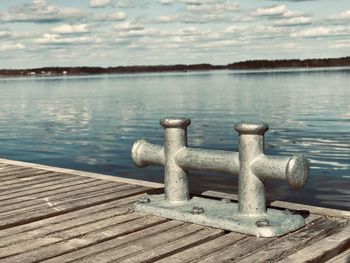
(144,200)
(197,210)
(262,222)
(225,200)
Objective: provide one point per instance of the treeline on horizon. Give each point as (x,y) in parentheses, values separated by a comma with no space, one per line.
(244,65)
(291,63)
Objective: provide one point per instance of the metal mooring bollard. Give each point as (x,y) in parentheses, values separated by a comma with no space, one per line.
(250,215)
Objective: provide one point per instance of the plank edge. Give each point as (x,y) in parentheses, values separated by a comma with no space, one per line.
(83,173)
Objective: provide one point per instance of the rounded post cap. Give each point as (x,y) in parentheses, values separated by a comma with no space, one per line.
(256,128)
(297,171)
(175,122)
(135,153)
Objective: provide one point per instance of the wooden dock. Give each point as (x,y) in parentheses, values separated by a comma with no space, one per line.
(58,215)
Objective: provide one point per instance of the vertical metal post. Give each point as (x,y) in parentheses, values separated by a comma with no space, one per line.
(251,189)
(175,178)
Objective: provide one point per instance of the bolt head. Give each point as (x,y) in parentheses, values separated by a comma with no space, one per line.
(144,200)
(287,212)
(197,210)
(262,222)
(225,200)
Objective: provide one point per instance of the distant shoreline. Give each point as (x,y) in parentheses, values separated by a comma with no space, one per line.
(244,65)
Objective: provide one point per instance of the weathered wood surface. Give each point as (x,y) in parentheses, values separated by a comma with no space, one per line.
(58,215)
(341,258)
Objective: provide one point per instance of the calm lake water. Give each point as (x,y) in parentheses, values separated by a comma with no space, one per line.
(90,123)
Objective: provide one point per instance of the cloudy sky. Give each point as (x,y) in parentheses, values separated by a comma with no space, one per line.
(36,33)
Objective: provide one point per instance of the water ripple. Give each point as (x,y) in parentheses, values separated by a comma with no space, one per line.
(90,123)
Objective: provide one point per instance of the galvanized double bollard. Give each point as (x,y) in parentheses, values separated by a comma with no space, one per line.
(250,215)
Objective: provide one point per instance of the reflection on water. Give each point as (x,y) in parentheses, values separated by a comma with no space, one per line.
(90,123)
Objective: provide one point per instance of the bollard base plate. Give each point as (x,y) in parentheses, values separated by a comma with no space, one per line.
(222,215)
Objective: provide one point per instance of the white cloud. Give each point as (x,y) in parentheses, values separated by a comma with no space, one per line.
(125,33)
(127,26)
(191,37)
(213,7)
(280,15)
(271,33)
(243,19)
(70,29)
(125,4)
(198,2)
(40,11)
(166,2)
(183,40)
(290,13)
(11,46)
(192,31)
(168,18)
(116,16)
(341,44)
(136,33)
(275,10)
(99,3)
(200,12)
(217,44)
(313,32)
(322,32)
(231,30)
(48,39)
(344,16)
(293,21)
(24,35)
(4,34)
(191,18)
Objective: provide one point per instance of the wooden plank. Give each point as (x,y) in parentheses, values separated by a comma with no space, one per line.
(179,235)
(77,187)
(323,249)
(60,244)
(282,247)
(165,249)
(79,214)
(65,206)
(244,246)
(22,174)
(115,194)
(86,174)
(14,171)
(283,205)
(115,243)
(24,178)
(269,247)
(341,258)
(144,243)
(2,165)
(60,233)
(5,165)
(42,186)
(64,225)
(198,252)
(21,203)
(28,183)
(52,201)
